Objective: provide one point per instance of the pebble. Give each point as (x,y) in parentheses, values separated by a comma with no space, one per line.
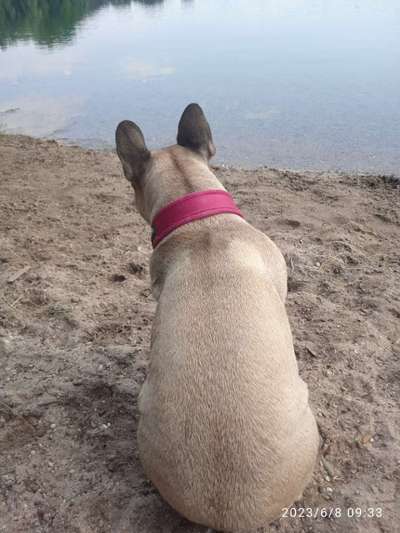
(326,492)
(5,345)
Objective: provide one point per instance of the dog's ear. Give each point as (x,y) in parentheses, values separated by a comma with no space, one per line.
(132,151)
(194,132)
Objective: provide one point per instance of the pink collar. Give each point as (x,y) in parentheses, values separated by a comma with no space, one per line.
(189,208)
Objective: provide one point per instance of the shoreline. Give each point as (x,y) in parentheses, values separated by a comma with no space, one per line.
(75,320)
(312,168)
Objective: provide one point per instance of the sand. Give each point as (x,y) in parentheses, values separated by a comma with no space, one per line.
(75,318)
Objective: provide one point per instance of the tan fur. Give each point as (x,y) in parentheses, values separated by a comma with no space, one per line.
(226,433)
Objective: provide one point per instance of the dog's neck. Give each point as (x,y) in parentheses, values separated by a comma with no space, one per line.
(157,196)
(189,208)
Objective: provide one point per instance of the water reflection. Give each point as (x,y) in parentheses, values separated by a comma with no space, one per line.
(279,86)
(50,22)
(135,70)
(39,116)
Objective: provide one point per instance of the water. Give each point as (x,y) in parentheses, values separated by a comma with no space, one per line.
(295,83)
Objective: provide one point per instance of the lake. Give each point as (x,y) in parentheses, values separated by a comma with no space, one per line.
(303,84)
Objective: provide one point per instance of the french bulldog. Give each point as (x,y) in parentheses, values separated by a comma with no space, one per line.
(226,433)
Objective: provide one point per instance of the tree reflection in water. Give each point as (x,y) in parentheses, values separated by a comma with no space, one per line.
(50,22)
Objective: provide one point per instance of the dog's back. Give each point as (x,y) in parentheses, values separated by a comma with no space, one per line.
(226,433)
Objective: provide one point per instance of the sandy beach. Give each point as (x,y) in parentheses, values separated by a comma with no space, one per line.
(75,319)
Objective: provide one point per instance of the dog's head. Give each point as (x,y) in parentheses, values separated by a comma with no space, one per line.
(161,176)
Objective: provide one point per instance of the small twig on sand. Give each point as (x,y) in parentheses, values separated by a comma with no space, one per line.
(18,274)
(7,472)
(17,300)
(7,407)
(5,301)
(21,417)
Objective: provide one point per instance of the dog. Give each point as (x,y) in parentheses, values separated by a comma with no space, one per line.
(226,433)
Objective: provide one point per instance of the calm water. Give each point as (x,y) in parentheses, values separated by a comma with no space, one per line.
(288,83)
